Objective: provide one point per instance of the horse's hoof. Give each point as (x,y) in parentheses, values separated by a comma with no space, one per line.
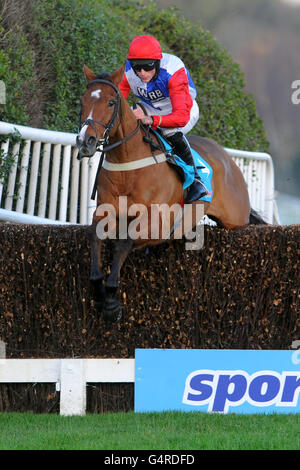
(112,316)
(112,311)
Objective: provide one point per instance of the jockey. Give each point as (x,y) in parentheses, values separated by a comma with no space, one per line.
(168,95)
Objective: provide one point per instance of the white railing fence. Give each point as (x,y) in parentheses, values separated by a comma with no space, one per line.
(47,184)
(71,376)
(258,171)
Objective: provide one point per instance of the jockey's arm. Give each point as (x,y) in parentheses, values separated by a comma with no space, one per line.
(181,102)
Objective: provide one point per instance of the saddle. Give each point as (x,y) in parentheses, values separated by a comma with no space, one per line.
(185,172)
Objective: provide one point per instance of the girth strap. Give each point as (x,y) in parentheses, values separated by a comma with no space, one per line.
(135,164)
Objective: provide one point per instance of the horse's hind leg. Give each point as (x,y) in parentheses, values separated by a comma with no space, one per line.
(96,275)
(112,309)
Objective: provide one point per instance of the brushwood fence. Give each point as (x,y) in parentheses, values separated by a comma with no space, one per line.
(241,291)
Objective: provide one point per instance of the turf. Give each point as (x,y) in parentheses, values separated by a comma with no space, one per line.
(164,431)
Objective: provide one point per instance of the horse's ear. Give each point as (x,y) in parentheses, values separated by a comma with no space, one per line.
(117,76)
(89,75)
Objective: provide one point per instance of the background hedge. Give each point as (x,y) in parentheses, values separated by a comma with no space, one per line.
(45,43)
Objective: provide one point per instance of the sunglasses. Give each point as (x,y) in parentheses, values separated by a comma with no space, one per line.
(147,66)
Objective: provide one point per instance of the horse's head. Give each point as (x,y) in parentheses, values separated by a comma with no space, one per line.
(100,107)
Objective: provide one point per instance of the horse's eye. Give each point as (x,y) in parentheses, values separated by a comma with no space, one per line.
(111,103)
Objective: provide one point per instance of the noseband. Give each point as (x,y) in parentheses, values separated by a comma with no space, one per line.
(108,126)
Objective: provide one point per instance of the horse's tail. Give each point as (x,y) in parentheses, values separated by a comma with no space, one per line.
(256,219)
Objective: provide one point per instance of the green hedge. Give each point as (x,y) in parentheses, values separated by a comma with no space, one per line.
(17,72)
(43,55)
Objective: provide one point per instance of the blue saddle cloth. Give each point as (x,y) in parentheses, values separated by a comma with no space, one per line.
(204,169)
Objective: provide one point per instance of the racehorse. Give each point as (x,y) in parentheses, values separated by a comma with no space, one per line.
(135,171)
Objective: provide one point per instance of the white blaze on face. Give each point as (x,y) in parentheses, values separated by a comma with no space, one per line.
(96,94)
(84,128)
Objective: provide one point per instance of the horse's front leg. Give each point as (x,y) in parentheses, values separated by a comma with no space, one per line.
(96,275)
(112,310)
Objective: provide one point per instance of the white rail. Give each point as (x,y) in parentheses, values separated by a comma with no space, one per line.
(258,171)
(71,376)
(48,184)
(45,179)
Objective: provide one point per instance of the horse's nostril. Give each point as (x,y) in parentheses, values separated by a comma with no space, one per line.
(78,140)
(91,140)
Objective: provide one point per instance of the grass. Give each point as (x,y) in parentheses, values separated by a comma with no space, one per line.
(160,431)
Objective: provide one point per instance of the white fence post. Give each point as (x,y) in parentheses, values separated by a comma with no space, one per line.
(44,180)
(34,171)
(71,376)
(63,205)
(72,387)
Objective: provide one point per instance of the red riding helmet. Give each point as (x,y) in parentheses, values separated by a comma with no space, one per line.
(144,47)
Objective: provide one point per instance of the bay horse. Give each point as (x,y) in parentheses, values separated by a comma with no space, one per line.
(108,120)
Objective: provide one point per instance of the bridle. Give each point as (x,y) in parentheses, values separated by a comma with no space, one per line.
(103,142)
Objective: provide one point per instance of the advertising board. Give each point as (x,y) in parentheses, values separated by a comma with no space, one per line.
(224,381)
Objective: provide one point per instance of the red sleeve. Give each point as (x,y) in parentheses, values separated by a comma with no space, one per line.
(181,102)
(124,87)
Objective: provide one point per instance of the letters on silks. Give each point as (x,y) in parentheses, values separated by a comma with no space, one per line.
(154,95)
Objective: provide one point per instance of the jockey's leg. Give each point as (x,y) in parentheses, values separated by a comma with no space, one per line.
(183,149)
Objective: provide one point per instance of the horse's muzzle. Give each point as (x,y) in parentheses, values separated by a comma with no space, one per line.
(86,145)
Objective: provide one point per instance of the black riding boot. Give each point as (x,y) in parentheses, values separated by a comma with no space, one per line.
(182,148)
